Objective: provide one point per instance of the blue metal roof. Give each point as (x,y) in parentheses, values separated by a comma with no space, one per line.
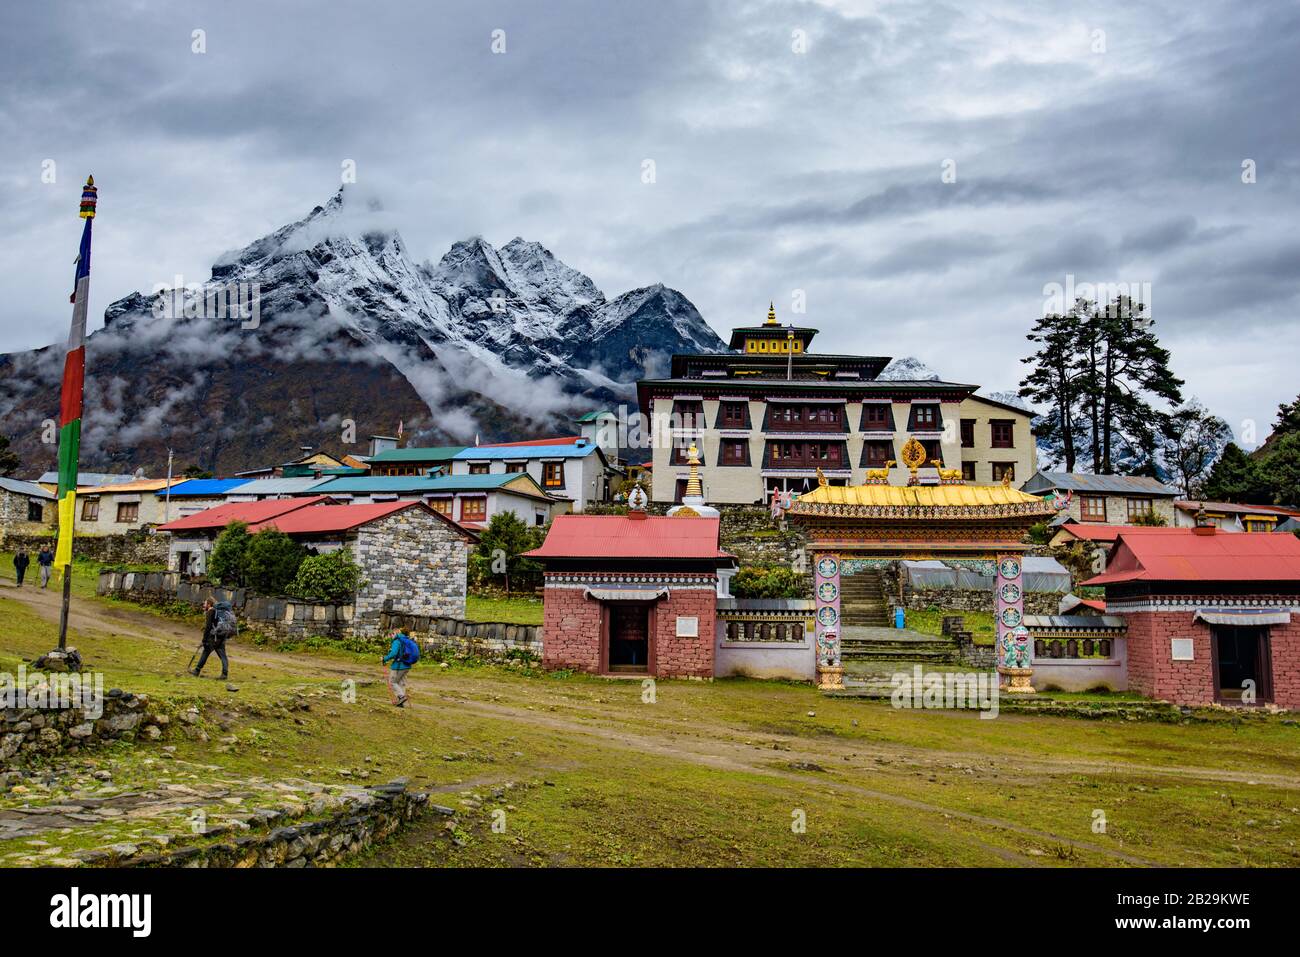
(209,488)
(481,452)
(418,483)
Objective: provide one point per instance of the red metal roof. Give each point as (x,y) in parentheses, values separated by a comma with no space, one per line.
(1180,554)
(617,536)
(250,512)
(558,440)
(331,518)
(1108,533)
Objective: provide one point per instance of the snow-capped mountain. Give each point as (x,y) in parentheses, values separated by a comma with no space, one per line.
(349,331)
(910,369)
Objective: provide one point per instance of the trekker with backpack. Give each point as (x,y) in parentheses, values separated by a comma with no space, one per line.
(219,625)
(403,653)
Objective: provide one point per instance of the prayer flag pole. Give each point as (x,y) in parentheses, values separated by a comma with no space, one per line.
(74,375)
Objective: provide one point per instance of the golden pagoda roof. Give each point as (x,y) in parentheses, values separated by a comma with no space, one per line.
(948,501)
(919,495)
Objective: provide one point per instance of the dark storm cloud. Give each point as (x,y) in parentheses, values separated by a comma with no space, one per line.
(777,173)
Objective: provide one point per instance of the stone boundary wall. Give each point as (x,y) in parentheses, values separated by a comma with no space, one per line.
(371,816)
(41,732)
(291,618)
(967,599)
(491,639)
(130,548)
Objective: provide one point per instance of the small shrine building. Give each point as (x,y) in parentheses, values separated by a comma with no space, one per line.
(1213,617)
(635,593)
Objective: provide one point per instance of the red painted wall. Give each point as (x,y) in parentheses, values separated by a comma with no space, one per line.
(1153,672)
(571,631)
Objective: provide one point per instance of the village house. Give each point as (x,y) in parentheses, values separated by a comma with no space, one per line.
(195,495)
(1231,517)
(193,536)
(25,508)
(258,490)
(770,414)
(574,473)
(1211,617)
(1105,499)
(50,480)
(471,500)
(412,560)
(310,463)
(413,461)
(122,507)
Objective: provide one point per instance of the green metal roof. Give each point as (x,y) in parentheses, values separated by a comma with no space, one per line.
(437,453)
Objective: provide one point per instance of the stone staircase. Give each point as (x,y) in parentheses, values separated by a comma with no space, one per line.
(862,600)
(878,643)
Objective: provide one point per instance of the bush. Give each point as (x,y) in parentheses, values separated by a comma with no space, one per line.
(332,577)
(772,581)
(499,555)
(1040,533)
(226,566)
(271,561)
(1150,519)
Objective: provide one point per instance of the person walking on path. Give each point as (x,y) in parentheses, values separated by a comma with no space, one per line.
(219,624)
(45,558)
(403,653)
(21,561)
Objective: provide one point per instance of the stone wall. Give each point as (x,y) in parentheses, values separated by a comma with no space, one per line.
(132,548)
(291,619)
(965,599)
(369,815)
(412,562)
(489,639)
(14,523)
(27,733)
(746,531)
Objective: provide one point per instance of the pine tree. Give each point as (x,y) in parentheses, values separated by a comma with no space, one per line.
(1236,477)
(1053,381)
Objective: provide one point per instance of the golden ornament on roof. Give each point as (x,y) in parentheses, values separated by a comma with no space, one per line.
(913,454)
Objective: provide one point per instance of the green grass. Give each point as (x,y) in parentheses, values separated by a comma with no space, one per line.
(704,773)
(85,573)
(930,622)
(512,611)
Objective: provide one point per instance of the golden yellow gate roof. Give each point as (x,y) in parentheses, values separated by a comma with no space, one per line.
(919,496)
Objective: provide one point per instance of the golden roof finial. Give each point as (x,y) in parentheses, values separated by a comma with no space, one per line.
(822,481)
(913,455)
(693,486)
(771,313)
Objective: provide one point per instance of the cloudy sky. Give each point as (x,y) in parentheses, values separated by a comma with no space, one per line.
(795,151)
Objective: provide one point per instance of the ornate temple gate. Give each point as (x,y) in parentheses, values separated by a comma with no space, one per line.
(850,528)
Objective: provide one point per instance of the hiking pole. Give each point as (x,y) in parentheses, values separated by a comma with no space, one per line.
(388,680)
(190,666)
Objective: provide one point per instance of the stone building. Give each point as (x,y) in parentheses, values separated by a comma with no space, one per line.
(1104,499)
(631,594)
(1211,616)
(572,471)
(25,508)
(413,560)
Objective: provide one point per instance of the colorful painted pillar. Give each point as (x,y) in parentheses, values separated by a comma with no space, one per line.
(1015,653)
(826,592)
